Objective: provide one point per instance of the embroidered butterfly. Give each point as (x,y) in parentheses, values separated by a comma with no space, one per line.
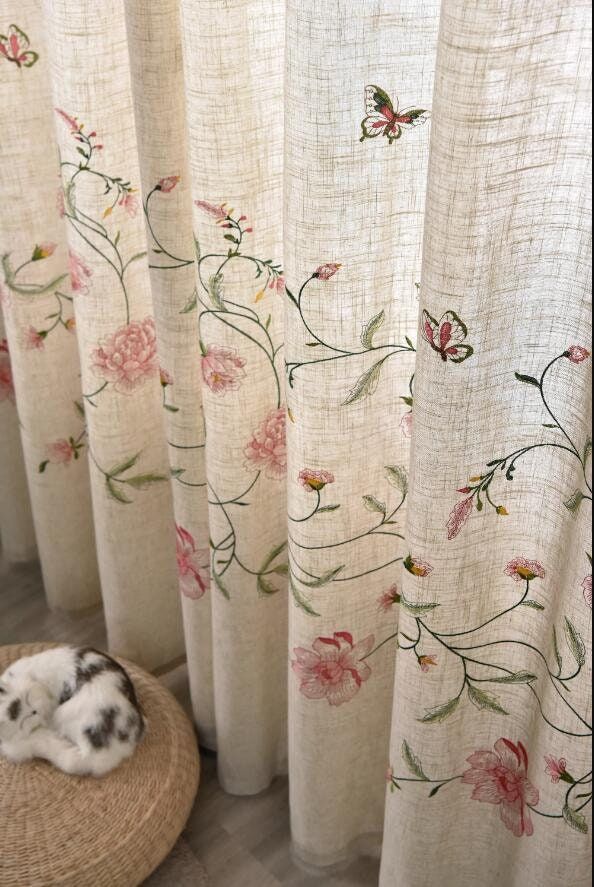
(383,120)
(446,336)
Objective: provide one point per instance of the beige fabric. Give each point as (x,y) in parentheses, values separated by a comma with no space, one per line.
(250,184)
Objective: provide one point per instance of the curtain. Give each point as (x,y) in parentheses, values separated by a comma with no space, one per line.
(296,298)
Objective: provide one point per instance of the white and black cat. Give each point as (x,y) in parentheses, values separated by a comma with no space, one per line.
(75,707)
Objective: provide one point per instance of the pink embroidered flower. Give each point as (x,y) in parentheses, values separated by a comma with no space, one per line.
(577,353)
(216,212)
(70,121)
(167,184)
(6,380)
(60,204)
(193,565)
(500,777)
(222,369)
(417,567)
(313,481)
(587,589)
(556,768)
(425,662)
(524,571)
(129,203)
(60,452)
(389,774)
(129,356)
(165,377)
(386,601)
(333,669)
(406,424)
(325,272)
(43,251)
(267,450)
(458,517)
(34,339)
(278,284)
(79,273)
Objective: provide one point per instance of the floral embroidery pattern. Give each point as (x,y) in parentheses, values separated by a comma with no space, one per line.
(14,47)
(267,450)
(6,380)
(128,357)
(446,336)
(222,369)
(334,669)
(192,565)
(382,119)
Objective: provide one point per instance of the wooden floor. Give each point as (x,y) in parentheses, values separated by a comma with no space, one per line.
(228,841)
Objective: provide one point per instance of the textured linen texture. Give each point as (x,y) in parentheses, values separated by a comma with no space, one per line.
(296,298)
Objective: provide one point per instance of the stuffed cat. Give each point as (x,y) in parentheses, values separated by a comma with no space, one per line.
(75,707)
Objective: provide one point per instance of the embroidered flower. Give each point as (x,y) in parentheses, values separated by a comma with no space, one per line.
(458,517)
(333,669)
(167,184)
(129,203)
(70,324)
(389,774)
(416,567)
(325,272)
(556,768)
(43,251)
(6,380)
(34,339)
(446,336)
(165,377)
(524,571)
(193,565)
(222,369)
(587,589)
(60,205)
(60,452)
(315,480)
(71,122)
(14,47)
(500,777)
(79,273)
(577,354)
(216,212)
(267,450)
(406,424)
(278,284)
(128,357)
(426,662)
(386,601)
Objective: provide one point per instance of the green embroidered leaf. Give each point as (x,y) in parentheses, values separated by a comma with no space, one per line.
(558,657)
(220,585)
(176,472)
(272,555)
(79,408)
(575,642)
(434,791)
(520,677)
(141,481)
(417,609)
(483,701)
(373,504)
(412,762)
(397,476)
(528,380)
(371,328)
(124,466)
(196,248)
(440,712)
(587,450)
(215,290)
(365,384)
(170,408)
(534,605)
(324,579)
(231,238)
(191,304)
(409,343)
(43,466)
(327,508)
(300,600)
(281,569)
(135,258)
(575,500)
(116,493)
(265,587)
(575,820)
(408,401)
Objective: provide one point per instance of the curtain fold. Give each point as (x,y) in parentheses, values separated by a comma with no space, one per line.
(296,319)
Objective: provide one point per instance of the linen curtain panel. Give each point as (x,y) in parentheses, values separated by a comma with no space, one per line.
(296,307)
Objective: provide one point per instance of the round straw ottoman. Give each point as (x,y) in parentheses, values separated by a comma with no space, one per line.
(110,832)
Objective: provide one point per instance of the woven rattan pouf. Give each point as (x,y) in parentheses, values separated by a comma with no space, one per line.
(110,832)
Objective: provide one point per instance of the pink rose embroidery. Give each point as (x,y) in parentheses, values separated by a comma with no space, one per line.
(313,481)
(167,184)
(222,369)
(406,424)
(587,589)
(6,380)
(556,768)
(193,565)
(577,354)
(34,339)
(524,571)
(79,273)
(267,450)
(458,517)
(128,357)
(386,601)
(325,272)
(60,452)
(333,669)
(500,777)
